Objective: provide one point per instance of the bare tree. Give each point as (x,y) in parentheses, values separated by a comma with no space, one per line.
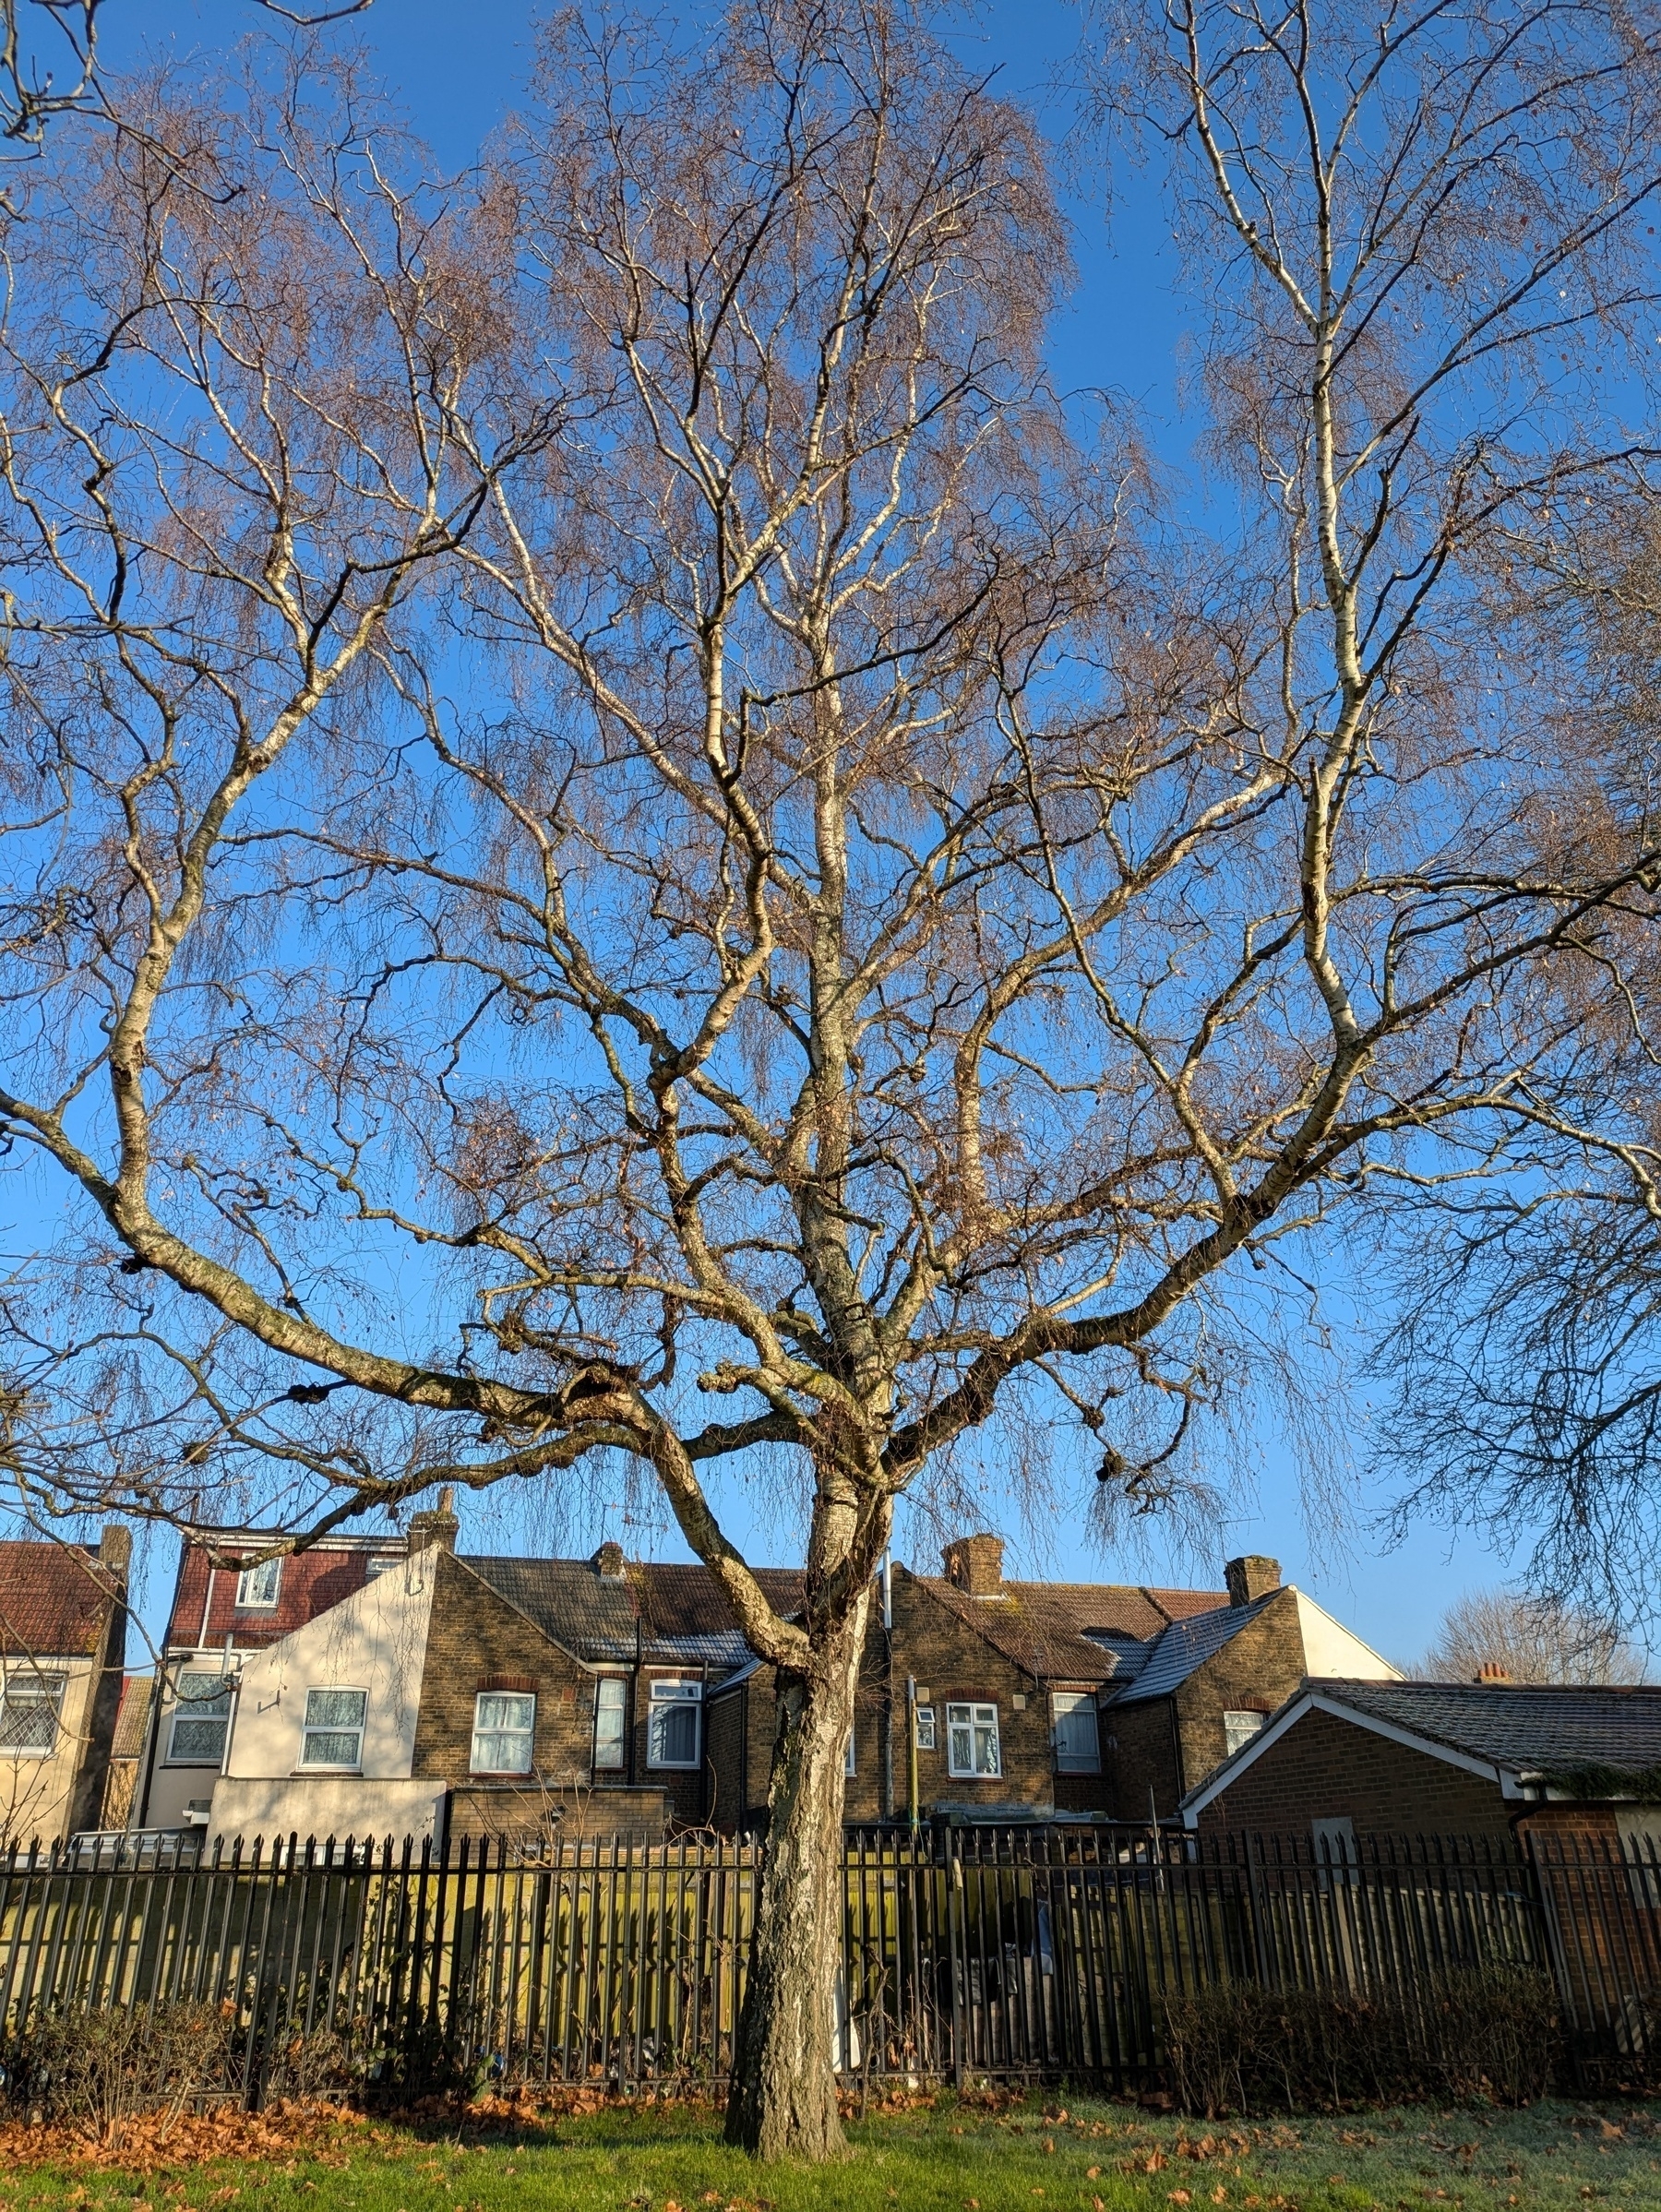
(49,60)
(1524,1346)
(861,916)
(1532,1639)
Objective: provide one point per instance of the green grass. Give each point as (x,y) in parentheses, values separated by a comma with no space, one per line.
(1022,2158)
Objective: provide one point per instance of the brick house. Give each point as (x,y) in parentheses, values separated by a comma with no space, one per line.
(480,1696)
(231,1599)
(63,1640)
(1210,1683)
(1346,1759)
(1041,1700)
(391,1686)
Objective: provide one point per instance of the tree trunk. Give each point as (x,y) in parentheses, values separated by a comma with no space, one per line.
(784,2095)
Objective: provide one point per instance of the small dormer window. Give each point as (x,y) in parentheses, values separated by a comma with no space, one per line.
(256,1587)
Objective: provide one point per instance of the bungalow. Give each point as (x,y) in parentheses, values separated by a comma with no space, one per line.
(1344,1759)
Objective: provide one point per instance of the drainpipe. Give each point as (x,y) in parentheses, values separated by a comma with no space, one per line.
(888,1732)
(911,1743)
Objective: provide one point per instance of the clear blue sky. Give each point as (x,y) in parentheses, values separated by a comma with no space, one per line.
(455,66)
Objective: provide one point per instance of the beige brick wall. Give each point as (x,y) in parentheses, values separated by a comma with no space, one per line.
(475,1635)
(1258,1668)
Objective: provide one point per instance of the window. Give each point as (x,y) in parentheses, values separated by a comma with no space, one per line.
(971,1740)
(256,1587)
(200,1720)
(926,1728)
(1240,1728)
(380,1563)
(1073,1728)
(672,1732)
(29,1705)
(848,1755)
(504,1731)
(611,1722)
(333,1735)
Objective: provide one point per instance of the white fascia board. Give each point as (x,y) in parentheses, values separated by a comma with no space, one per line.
(1316,1701)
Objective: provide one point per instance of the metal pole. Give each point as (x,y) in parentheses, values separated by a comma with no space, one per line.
(911,1746)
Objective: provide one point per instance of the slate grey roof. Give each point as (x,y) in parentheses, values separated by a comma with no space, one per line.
(655,1612)
(1529,1727)
(1186,1645)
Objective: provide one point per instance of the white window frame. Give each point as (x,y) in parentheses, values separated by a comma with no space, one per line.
(976,1720)
(1240,1726)
(379,1564)
(1067,1705)
(190,1710)
(527,1730)
(47,1688)
(926,1739)
(848,1766)
(309,1727)
(669,1696)
(251,1582)
(620,1763)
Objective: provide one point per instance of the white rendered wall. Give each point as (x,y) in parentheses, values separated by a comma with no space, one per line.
(320,1806)
(375,1641)
(1329,1649)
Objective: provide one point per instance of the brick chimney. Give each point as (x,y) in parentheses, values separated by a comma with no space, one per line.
(975,1564)
(1492,1671)
(437,1527)
(1250,1578)
(116,1549)
(608,1562)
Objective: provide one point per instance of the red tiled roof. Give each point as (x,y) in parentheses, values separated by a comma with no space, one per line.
(54,1601)
(310,1584)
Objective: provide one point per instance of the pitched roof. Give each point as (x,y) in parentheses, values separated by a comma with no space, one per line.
(669,1613)
(54,1601)
(1071,1631)
(205,1611)
(1186,1645)
(1530,1728)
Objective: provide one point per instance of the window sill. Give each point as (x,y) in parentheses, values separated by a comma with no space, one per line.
(673,1766)
(298,1773)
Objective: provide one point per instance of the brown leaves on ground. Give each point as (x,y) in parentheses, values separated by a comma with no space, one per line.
(154,2141)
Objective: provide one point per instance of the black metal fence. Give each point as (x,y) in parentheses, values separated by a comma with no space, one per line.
(969,1953)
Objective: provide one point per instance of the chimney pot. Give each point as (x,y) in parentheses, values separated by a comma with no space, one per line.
(975,1564)
(437,1527)
(608,1562)
(1251,1577)
(1491,1671)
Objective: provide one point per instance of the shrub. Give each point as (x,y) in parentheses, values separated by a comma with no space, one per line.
(98,2065)
(1482,2032)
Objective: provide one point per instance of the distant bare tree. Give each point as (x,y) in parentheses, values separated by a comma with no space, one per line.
(1532,1639)
(861,916)
(1526,1343)
(49,60)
